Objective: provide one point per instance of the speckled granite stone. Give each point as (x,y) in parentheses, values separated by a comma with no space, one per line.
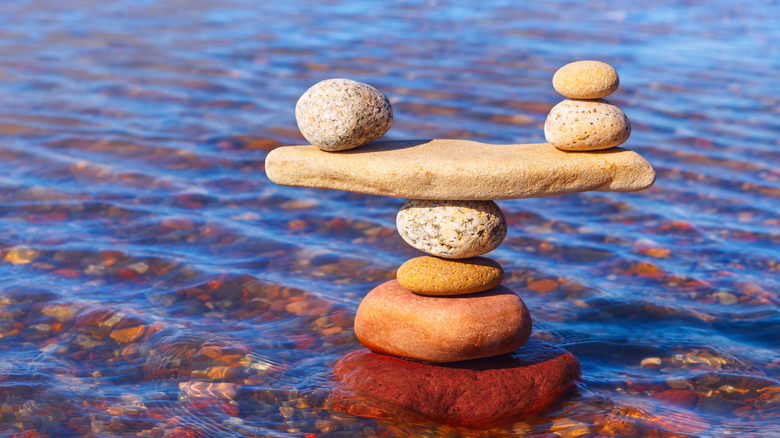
(452,229)
(584,125)
(341,114)
(586,80)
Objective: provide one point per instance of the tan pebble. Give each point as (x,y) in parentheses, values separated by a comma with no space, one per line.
(394,321)
(332,330)
(287,411)
(41,327)
(679,383)
(436,276)
(566,428)
(725,298)
(61,312)
(452,229)
(127,335)
(586,80)
(326,426)
(341,114)
(586,125)
(650,361)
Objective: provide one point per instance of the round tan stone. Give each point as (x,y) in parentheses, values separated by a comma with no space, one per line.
(586,125)
(452,229)
(586,80)
(392,320)
(436,276)
(341,114)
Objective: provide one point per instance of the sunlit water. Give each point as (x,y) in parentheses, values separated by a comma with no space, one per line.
(155,283)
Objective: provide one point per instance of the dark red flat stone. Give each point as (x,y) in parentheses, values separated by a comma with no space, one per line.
(474,393)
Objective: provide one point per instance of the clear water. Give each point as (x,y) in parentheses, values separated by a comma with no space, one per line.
(144,252)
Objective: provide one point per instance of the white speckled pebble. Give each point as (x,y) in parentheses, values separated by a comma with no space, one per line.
(341,114)
(585,125)
(452,229)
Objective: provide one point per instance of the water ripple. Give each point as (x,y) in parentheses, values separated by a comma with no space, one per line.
(154,282)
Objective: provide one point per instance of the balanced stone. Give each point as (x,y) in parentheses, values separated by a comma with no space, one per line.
(586,80)
(476,393)
(452,229)
(341,114)
(392,320)
(585,125)
(459,169)
(436,276)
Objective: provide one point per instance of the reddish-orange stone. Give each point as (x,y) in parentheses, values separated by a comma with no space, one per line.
(392,320)
(475,393)
(677,397)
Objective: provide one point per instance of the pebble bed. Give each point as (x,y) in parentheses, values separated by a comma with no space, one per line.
(153,282)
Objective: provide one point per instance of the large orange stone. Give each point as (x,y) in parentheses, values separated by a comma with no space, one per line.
(475,393)
(392,320)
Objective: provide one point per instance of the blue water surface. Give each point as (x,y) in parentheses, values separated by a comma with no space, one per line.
(149,271)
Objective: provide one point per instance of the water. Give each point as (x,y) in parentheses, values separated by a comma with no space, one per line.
(144,252)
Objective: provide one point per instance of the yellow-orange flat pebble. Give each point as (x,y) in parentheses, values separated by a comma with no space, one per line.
(438,276)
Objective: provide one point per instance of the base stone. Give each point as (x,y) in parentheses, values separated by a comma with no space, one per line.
(474,393)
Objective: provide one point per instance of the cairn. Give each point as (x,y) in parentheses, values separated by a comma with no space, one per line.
(449,306)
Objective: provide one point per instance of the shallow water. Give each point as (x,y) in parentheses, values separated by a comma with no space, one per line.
(144,252)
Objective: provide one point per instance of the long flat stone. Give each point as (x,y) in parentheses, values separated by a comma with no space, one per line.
(459,170)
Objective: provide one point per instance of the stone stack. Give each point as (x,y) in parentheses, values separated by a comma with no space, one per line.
(585,121)
(449,307)
(440,333)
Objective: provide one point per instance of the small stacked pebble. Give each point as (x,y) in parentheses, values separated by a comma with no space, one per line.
(585,121)
(450,306)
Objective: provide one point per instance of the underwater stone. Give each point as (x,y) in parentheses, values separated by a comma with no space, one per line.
(586,80)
